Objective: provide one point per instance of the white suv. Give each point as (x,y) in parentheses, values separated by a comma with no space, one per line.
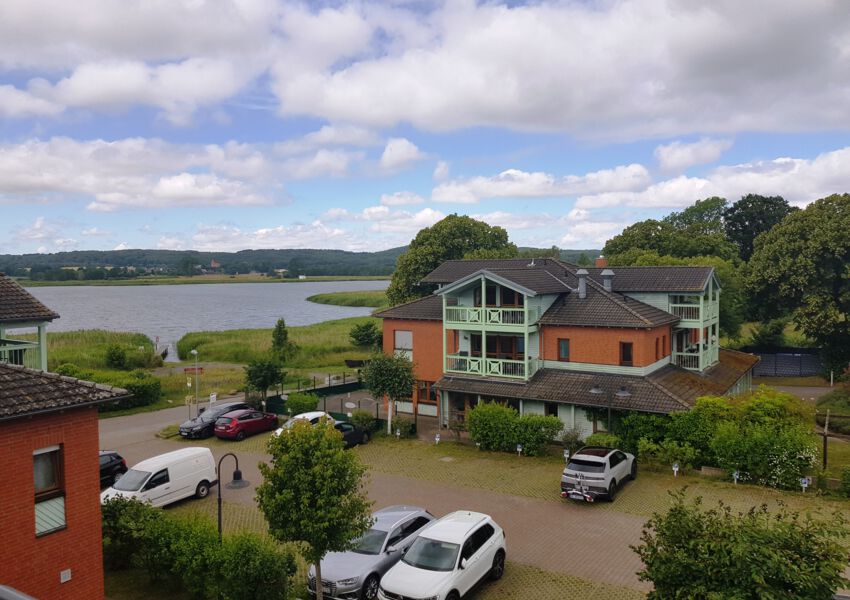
(448,559)
(593,472)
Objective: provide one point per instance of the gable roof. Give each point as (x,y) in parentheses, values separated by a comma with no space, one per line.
(19,306)
(715,381)
(656,279)
(452,270)
(27,392)
(429,308)
(602,309)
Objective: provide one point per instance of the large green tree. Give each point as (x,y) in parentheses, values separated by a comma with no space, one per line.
(454,237)
(696,231)
(751,216)
(715,554)
(802,266)
(262,374)
(282,347)
(390,376)
(313,492)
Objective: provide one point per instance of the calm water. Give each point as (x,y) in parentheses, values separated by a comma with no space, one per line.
(169,311)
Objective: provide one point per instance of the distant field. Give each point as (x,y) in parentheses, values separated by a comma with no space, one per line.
(201,279)
(373,298)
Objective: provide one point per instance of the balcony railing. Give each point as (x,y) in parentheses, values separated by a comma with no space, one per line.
(18,352)
(687,361)
(688,312)
(488,367)
(485,315)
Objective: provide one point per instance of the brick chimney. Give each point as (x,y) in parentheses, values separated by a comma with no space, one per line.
(601,262)
(582,283)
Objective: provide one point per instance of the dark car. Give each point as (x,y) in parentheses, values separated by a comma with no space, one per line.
(112,466)
(203,425)
(239,424)
(351,434)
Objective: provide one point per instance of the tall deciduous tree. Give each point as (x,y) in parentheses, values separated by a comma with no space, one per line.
(703,216)
(390,376)
(282,348)
(751,216)
(312,492)
(262,374)
(454,237)
(803,265)
(690,552)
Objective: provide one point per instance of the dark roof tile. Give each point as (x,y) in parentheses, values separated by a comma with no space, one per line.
(656,279)
(429,308)
(600,309)
(17,305)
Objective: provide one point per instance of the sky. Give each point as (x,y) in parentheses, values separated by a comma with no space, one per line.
(222,125)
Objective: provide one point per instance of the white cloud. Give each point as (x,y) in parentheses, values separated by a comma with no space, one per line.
(591,234)
(122,246)
(324,162)
(398,154)
(15,103)
(95,232)
(401,199)
(328,136)
(170,242)
(388,221)
(514,183)
(679,156)
(300,235)
(41,229)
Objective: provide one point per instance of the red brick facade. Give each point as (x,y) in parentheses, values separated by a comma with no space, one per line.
(601,345)
(33,564)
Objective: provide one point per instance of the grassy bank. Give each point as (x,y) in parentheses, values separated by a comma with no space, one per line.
(87,348)
(200,279)
(322,347)
(373,298)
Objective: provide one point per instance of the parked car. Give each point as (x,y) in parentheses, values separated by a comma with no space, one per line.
(112,466)
(357,573)
(239,424)
(351,434)
(203,426)
(595,472)
(167,478)
(448,559)
(313,417)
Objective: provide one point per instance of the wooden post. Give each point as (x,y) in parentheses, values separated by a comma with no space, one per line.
(825,437)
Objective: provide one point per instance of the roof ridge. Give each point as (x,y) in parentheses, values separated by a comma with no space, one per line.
(403,304)
(66,378)
(611,296)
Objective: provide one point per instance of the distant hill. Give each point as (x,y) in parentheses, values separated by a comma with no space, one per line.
(187,262)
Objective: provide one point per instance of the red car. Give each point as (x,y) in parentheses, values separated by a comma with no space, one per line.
(239,424)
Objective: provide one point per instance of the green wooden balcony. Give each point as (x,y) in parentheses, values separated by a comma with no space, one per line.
(489,315)
(490,367)
(18,352)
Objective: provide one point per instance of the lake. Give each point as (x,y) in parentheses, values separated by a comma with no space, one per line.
(170,311)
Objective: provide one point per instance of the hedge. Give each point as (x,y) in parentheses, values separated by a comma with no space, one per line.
(499,427)
(144,387)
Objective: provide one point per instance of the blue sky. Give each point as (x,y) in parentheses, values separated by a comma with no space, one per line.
(231,124)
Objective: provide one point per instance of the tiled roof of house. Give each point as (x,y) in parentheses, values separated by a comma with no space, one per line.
(669,389)
(452,270)
(656,279)
(601,309)
(17,305)
(429,308)
(26,392)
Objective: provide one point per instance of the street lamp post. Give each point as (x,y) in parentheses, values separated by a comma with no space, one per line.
(622,394)
(237,483)
(194,353)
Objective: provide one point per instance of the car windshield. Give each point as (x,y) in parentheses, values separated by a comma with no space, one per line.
(431,555)
(370,542)
(586,466)
(132,481)
(291,422)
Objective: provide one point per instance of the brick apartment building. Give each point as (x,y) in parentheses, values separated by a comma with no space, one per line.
(49,496)
(548,337)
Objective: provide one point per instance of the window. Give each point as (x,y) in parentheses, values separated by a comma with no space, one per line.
(477,540)
(657,347)
(564,349)
(427,392)
(49,490)
(511,298)
(395,537)
(615,459)
(413,526)
(626,354)
(345,427)
(403,343)
(157,479)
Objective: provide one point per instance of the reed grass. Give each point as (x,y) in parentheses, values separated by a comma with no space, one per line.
(86,348)
(372,298)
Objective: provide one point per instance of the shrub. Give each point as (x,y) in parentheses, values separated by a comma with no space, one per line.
(649,453)
(301,403)
(145,389)
(72,370)
(697,426)
(116,357)
(572,439)
(536,432)
(406,427)
(366,334)
(363,419)
(838,403)
(492,426)
(672,452)
(250,567)
(635,426)
(845,482)
(606,440)
(125,522)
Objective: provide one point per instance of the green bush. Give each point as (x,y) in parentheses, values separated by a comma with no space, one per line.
(536,432)
(364,419)
(838,403)
(649,453)
(698,426)
(635,426)
(145,389)
(572,439)
(116,357)
(845,482)
(606,440)
(405,426)
(125,522)
(72,370)
(250,567)
(492,425)
(366,335)
(300,403)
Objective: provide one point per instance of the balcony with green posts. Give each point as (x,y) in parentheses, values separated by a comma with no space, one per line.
(20,314)
(696,344)
(25,352)
(494,322)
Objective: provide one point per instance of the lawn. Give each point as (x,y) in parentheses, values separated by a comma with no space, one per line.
(373,298)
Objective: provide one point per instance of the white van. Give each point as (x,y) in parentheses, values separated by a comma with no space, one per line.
(167,478)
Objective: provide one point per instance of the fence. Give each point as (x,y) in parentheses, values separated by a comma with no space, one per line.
(786,362)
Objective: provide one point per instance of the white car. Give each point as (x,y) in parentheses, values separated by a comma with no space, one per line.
(595,472)
(448,559)
(313,417)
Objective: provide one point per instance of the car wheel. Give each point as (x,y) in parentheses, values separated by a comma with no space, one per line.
(203,490)
(612,490)
(498,568)
(369,591)
(453,595)
(633,473)
(241,436)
